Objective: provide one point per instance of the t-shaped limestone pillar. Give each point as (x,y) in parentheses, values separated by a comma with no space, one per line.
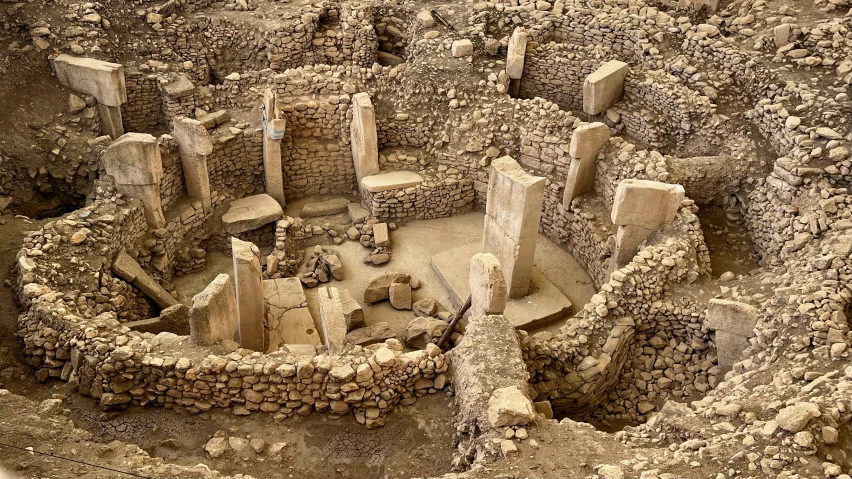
(250,304)
(586,143)
(103,80)
(194,144)
(639,208)
(273,127)
(516,52)
(134,161)
(512,216)
(365,143)
(487,286)
(734,323)
(604,86)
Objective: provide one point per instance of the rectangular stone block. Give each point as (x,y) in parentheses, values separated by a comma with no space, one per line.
(194,144)
(352,311)
(213,315)
(604,86)
(462,48)
(288,320)
(649,204)
(516,53)
(100,79)
(251,212)
(249,290)
(333,320)
(381,235)
(129,270)
(488,291)
(364,138)
(586,143)
(512,217)
(729,347)
(134,159)
(731,316)
(275,127)
(627,241)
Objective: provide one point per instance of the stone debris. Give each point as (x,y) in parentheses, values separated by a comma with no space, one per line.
(322,268)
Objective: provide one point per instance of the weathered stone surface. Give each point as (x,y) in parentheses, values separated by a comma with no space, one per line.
(288,320)
(251,212)
(194,144)
(604,87)
(512,216)
(352,311)
(649,204)
(100,79)
(422,331)
(333,319)
(134,162)
(516,52)
(325,208)
(462,48)
(129,270)
(372,334)
(381,236)
(509,406)
(794,418)
(249,290)
(363,137)
(732,316)
(487,286)
(400,295)
(586,143)
(379,284)
(213,315)
(390,181)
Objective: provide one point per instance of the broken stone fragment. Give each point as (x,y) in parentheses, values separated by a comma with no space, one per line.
(425,307)
(400,295)
(379,285)
(422,331)
(509,406)
(794,418)
(372,334)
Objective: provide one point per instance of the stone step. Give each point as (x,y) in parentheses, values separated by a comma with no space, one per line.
(391,181)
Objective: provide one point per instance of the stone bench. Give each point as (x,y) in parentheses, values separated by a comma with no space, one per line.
(390,181)
(251,212)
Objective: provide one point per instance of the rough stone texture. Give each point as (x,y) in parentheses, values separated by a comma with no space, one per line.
(649,204)
(379,284)
(288,320)
(250,213)
(604,87)
(333,319)
(195,144)
(399,294)
(365,147)
(129,270)
(134,162)
(249,290)
(512,216)
(352,311)
(509,406)
(213,315)
(488,289)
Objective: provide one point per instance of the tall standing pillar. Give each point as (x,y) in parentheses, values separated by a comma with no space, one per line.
(586,143)
(249,285)
(273,132)
(515,56)
(134,162)
(512,216)
(100,79)
(194,144)
(365,142)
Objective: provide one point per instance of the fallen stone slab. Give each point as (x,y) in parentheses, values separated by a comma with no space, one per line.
(251,212)
(325,208)
(379,284)
(381,236)
(129,270)
(288,320)
(391,181)
(372,334)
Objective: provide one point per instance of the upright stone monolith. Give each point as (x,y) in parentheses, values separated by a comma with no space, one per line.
(273,132)
(194,144)
(365,143)
(604,86)
(512,216)
(250,303)
(586,143)
(134,162)
(213,315)
(488,289)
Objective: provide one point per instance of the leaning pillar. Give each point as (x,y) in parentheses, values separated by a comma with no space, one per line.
(365,143)
(100,79)
(249,286)
(194,144)
(516,53)
(641,207)
(134,162)
(604,87)
(586,143)
(512,216)
(273,132)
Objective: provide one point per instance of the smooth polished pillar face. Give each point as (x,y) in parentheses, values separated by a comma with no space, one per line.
(365,143)
(274,128)
(194,144)
(512,217)
(248,278)
(333,319)
(134,162)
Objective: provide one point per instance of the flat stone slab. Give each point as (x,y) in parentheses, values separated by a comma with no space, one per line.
(544,305)
(390,181)
(251,212)
(325,208)
(288,319)
(129,270)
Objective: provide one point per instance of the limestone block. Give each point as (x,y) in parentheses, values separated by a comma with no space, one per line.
(134,159)
(213,315)
(516,53)
(352,311)
(100,79)
(332,206)
(249,290)
(424,330)
(649,204)
(129,270)
(627,241)
(586,142)
(391,181)
(604,86)
(381,235)
(462,48)
(272,171)
(372,334)
(357,213)
(732,316)
(333,319)
(512,217)
(379,284)
(194,144)
(288,320)
(509,406)
(251,212)
(400,295)
(729,347)
(363,135)
(487,286)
